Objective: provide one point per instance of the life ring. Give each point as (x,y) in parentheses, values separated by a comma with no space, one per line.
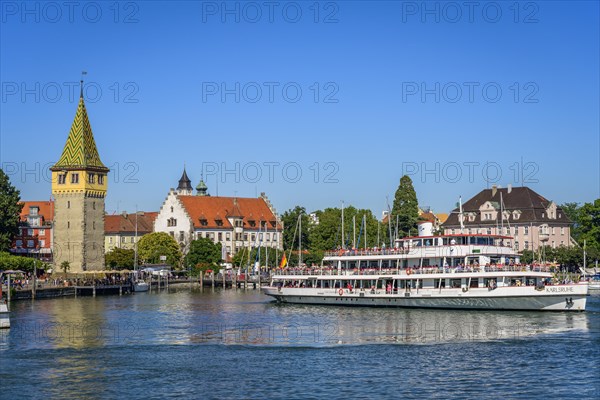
(341,292)
(465,289)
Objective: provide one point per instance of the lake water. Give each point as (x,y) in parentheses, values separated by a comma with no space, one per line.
(239,344)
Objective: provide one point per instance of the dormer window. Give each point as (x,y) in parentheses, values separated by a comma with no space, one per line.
(219,222)
(516,214)
(33,211)
(203,221)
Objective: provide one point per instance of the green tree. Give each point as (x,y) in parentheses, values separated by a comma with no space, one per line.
(10,208)
(119,258)
(21,263)
(290,224)
(585,231)
(589,224)
(244,260)
(327,234)
(203,254)
(405,211)
(154,245)
(65,266)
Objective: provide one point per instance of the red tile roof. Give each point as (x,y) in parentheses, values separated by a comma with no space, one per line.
(125,223)
(212,209)
(46,210)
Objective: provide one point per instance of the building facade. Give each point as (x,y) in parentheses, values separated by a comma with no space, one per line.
(527,217)
(34,238)
(125,230)
(79,187)
(234,222)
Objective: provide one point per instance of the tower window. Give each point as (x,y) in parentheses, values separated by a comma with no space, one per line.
(68,224)
(101,179)
(62,179)
(93,224)
(91,177)
(68,203)
(94,205)
(74,178)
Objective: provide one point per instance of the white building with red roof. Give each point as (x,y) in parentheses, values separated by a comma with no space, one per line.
(235,222)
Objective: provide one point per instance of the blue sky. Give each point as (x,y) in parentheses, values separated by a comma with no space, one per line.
(361,92)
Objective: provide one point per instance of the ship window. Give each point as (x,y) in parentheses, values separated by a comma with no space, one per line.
(474,283)
(455,283)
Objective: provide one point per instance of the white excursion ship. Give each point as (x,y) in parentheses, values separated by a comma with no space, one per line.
(449,271)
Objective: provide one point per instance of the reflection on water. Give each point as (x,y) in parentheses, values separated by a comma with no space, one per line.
(241,345)
(189,316)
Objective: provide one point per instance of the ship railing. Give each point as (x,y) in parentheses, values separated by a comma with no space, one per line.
(408,271)
(398,251)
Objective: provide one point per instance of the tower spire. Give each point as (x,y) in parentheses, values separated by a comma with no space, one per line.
(81,84)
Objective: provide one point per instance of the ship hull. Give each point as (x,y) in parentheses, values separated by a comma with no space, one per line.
(572,298)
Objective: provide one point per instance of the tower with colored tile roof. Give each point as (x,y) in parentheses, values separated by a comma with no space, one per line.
(79,184)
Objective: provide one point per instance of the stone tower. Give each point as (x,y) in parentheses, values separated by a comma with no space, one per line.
(79,183)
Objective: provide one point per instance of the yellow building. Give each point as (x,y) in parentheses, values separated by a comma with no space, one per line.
(79,184)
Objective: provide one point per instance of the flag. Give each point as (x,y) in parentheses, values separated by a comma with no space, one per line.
(283,262)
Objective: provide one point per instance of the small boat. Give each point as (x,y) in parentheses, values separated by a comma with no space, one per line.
(594,282)
(140,286)
(4,313)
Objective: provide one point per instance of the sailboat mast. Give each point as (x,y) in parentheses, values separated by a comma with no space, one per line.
(135,257)
(343,241)
(365,222)
(354,231)
(300,240)
(460,214)
(501,215)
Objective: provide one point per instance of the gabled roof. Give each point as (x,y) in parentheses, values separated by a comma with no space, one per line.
(125,223)
(46,210)
(220,208)
(80,149)
(531,204)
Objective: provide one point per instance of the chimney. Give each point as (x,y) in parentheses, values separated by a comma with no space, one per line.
(509,188)
(494,190)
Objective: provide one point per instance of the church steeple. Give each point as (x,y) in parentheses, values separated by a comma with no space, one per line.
(185,184)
